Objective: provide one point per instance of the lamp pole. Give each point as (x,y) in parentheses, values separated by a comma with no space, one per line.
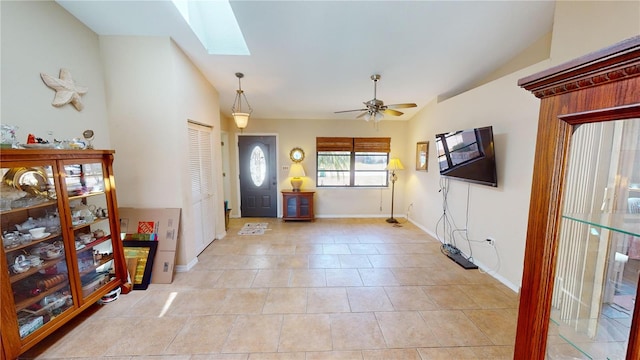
(391,220)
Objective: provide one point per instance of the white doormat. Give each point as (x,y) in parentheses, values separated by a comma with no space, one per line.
(253,229)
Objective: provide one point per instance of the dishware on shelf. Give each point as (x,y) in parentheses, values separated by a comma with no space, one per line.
(35,260)
(27,225)
(8,135)
(25,238)
(85,238)
(38,232)
(10,240)
(21,264)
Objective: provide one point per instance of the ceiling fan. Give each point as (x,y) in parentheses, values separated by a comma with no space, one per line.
(375,108)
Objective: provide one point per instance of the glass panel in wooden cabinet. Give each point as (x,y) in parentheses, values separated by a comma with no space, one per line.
(292,206)
(598,261)
(85,185)
(33,246)
(304,206)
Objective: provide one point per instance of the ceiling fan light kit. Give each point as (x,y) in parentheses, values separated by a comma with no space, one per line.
(240,117)
(375,108)
(371,115)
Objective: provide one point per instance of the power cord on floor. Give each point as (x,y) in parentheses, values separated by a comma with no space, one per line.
(399,224)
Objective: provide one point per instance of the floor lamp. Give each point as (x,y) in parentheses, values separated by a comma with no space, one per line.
(394,164)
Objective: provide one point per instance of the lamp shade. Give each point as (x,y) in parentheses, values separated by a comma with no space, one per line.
(377,116)
(296,170)
(241,119)
(395,164)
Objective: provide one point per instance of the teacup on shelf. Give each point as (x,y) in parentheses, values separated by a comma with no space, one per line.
(21,264)
(10,240)
(34,260)
(53,253)
(85,238)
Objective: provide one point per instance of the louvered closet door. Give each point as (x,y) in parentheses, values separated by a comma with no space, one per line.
(202,185)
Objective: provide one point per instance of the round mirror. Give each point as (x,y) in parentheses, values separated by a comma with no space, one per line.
(296,154)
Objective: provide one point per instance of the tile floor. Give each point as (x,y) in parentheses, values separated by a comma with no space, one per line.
(331,289)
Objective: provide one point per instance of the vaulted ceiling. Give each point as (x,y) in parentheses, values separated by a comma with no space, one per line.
(311,58)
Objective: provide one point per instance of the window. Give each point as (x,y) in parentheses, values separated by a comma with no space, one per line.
(352,162)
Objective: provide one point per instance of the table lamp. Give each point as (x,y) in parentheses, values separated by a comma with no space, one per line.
(296,172)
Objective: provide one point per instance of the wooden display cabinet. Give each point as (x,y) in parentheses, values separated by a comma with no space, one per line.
(50,278)
(587,158)
(297,205)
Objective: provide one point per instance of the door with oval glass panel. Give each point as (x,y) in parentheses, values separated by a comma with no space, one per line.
(258,176)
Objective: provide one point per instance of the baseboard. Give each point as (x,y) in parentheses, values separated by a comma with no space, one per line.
(356,216)
(189,266)
(481,267)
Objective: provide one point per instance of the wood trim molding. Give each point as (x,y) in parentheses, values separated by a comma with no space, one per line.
(611,64)
(617,113)
(601,86)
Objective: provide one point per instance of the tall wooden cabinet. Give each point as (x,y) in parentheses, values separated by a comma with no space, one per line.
(580,225)
(60,234)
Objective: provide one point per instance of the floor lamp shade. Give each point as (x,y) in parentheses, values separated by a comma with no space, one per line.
(296,173)
(394,164)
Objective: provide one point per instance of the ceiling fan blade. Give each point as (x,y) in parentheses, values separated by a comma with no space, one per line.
(361,115)
(401,106)
(392,112)
(345,111)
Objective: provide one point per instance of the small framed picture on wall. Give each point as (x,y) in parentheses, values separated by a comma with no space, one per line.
(422,155)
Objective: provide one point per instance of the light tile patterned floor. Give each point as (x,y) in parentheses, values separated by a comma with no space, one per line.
(330,289)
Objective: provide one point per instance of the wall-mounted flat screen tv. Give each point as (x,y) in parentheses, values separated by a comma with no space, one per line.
(468,155)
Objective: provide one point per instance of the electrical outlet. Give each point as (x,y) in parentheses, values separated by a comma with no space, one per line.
(491,241)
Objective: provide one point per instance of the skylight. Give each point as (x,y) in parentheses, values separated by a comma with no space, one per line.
(215,25)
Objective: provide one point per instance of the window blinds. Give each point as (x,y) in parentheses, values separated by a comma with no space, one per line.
(378,144)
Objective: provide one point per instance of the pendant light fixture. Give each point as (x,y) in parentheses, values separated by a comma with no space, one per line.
(239,116)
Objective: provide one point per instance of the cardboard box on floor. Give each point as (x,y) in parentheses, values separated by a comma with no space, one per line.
(164,222)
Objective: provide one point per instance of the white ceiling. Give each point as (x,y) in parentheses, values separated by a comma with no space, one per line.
(311,58)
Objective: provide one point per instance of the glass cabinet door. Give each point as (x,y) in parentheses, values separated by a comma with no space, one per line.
(33,246)
(292,206)
(304,206)
(598,263)
(85,188)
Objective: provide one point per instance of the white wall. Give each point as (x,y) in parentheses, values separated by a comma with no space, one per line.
(502,213)
(153,90)
(330,202)
(581,27)
(43,37)
(147,120)
(197,100)
(142,120)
